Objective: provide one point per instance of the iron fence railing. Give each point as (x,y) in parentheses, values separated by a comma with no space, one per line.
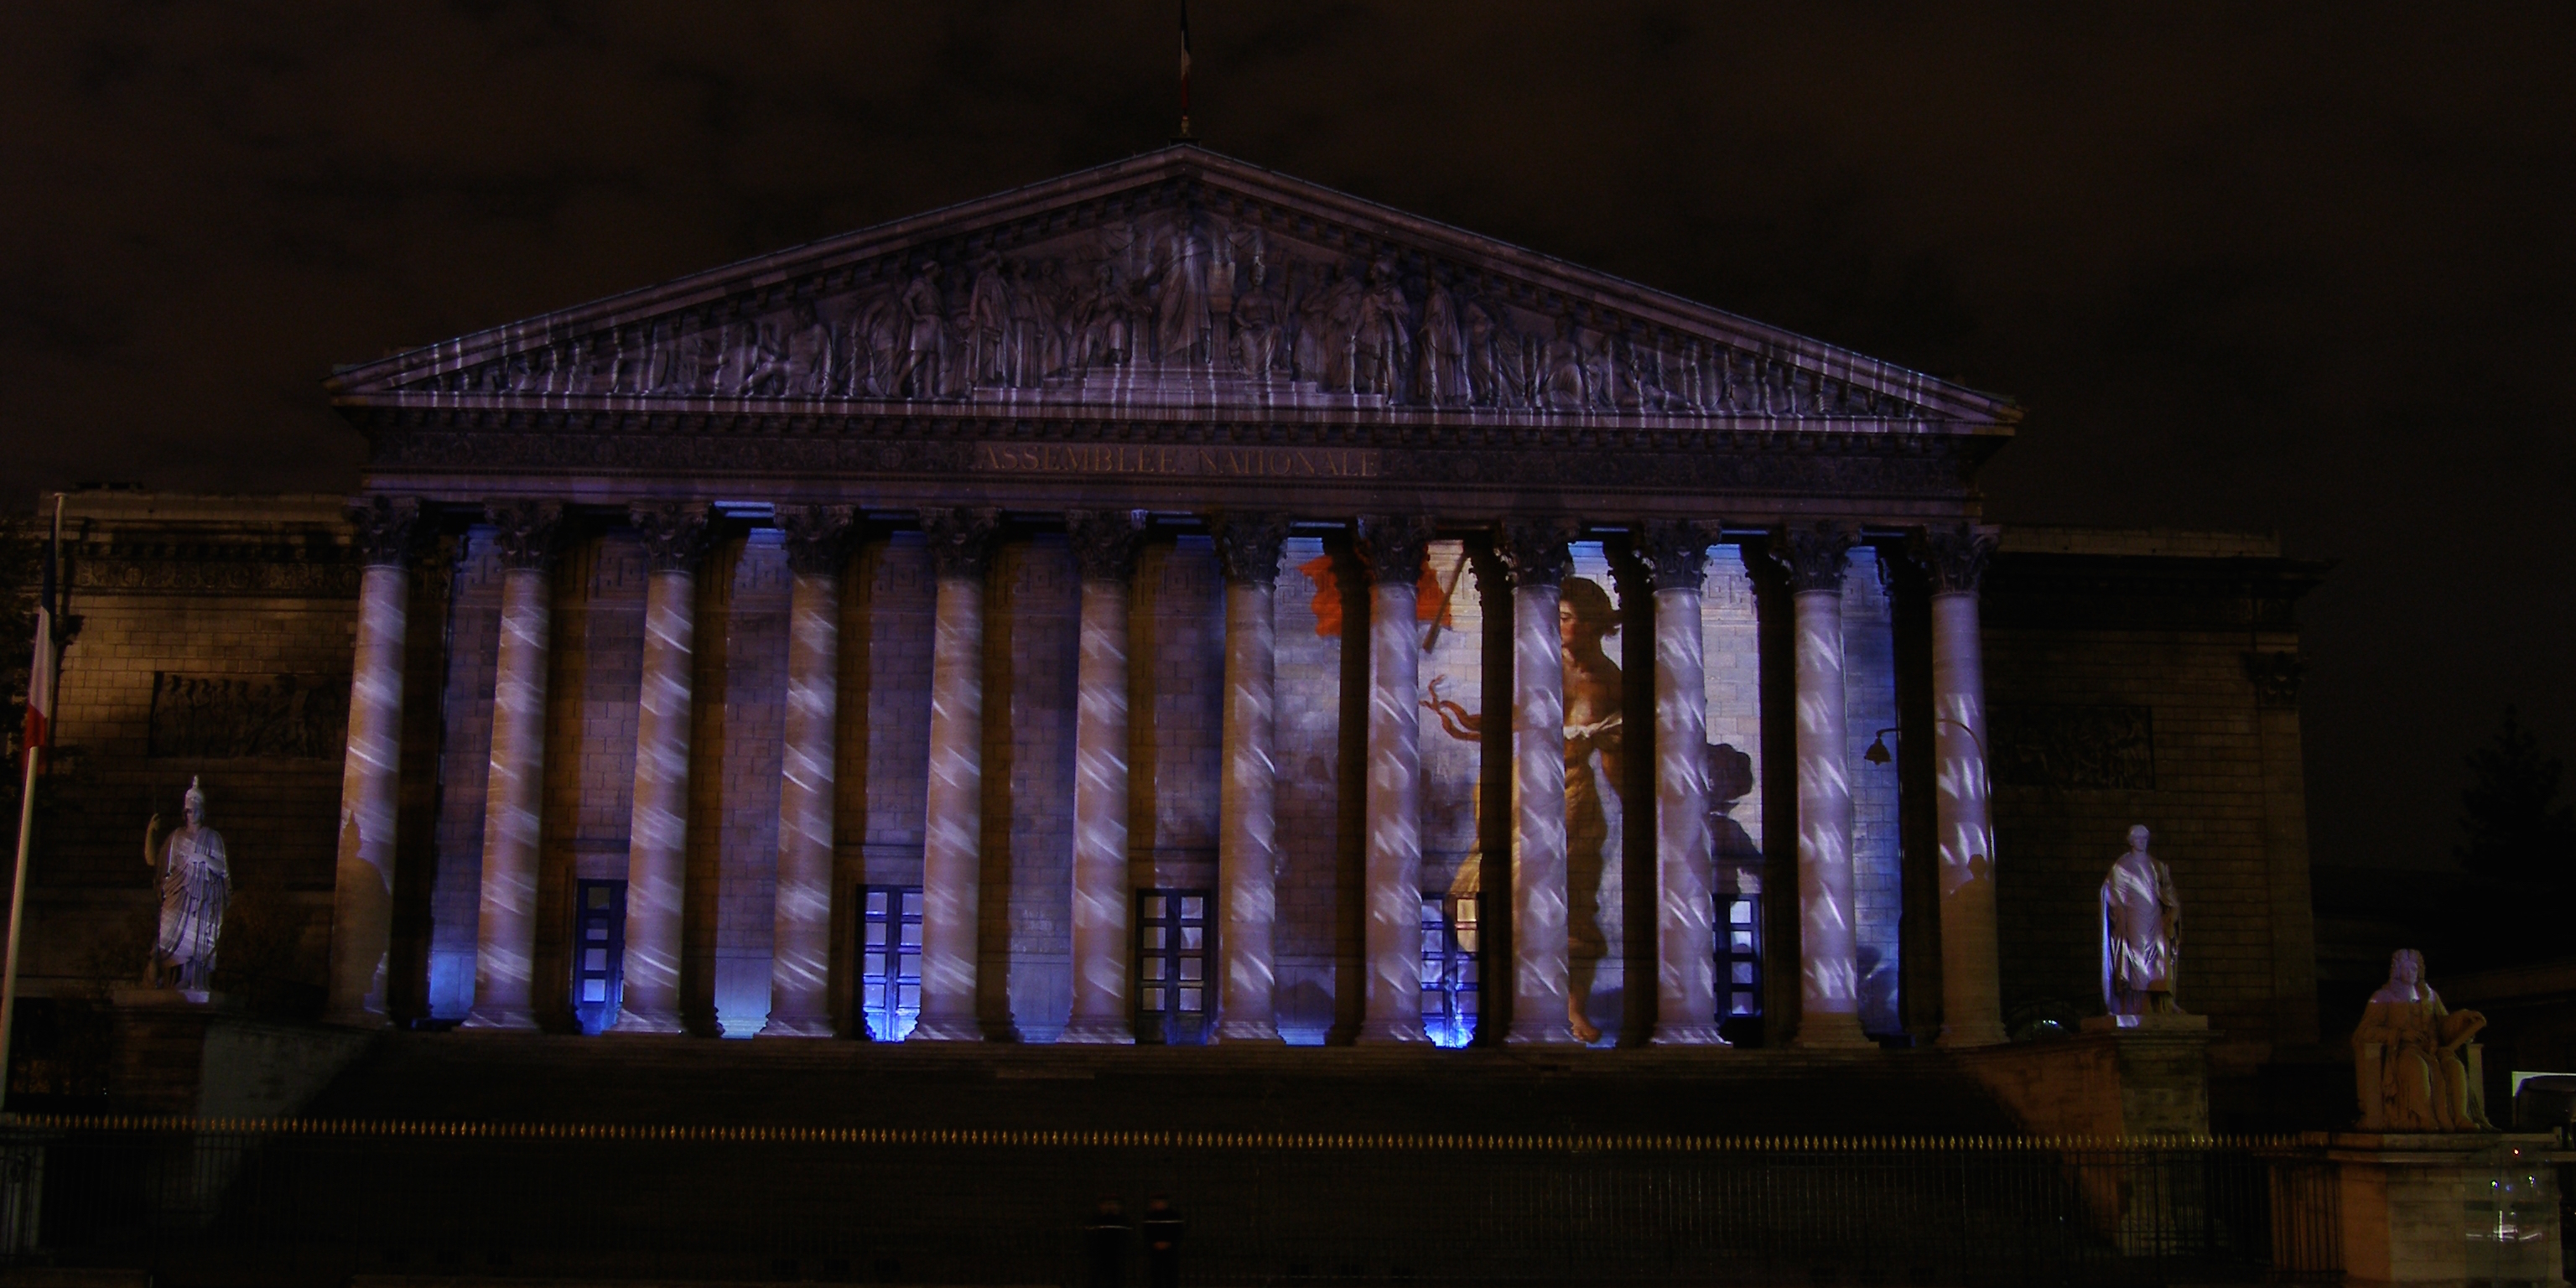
(322,1202)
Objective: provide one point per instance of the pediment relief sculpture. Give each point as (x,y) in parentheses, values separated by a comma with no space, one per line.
(1185,291)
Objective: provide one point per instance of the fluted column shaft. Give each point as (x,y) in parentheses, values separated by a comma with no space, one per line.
(657,832)
(506,932)
(953,834)
(1538,561)
(1106,545)
(370,780)
(1971,984)
(800,962)
(1829,992)
(1392,939)
(1685,944)
(1247,834)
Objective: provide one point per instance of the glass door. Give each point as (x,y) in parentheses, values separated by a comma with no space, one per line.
(889,960)
(1172,1001)
(598,952)
(1451,940)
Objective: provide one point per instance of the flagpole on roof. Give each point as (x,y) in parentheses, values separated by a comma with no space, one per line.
(39,735)
(1184,135)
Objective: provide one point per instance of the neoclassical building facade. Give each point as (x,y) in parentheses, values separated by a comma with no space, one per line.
(1180,603)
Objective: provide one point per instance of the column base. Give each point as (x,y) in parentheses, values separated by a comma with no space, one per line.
(512,1019)
(947,1028)
(1247,1033)
(1831,1032)
(1687,1035)
(1391,1032)
(796,1026)
(357,1019)
(1983,1034)
(1557,1034)
(630,1023)
(1092,1032)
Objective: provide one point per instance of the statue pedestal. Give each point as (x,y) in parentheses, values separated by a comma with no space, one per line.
(2431,1208)
(2106,1081)
(195,1054)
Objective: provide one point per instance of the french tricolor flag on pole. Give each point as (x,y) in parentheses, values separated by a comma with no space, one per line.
(40,677)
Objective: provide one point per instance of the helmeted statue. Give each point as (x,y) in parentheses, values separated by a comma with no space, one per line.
(2141,933)
(196,880)
(2408,1053)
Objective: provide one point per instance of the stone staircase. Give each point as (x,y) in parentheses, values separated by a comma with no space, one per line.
(695,1081)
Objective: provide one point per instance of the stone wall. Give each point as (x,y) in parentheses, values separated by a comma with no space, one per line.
(245,612)
(2120,692)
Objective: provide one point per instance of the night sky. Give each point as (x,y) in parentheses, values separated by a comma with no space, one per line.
(2310,271)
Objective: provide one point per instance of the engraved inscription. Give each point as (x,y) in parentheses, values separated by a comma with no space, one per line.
(1205,462)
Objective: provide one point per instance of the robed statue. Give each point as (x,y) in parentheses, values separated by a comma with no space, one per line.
(196,880)
(2141,933)
(2412,1060)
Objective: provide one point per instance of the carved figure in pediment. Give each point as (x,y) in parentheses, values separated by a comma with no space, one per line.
(1024,337)
(1062,314)
(1564,375)
(1383,348)
(805,363)
(1181,301)
(1256,324)
(988,324)
(1328,327)
(1105,324)
(1443,379)
(922,322)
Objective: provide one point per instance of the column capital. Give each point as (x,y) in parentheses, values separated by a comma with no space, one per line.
(526,532)
(384,530)
(1815,555)
(2276,677)
(1954,555)
(1393,546)
(1106,542)
(1677,550)
(674,533)
(1534,550)
(817,537)
(961,539)
(1247,546)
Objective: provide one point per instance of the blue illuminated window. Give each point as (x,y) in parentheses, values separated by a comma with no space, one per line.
(1739,955)
(1451,940)
(1171,966)
(598,952)
(889,960)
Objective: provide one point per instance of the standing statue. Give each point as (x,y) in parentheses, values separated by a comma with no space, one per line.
(195,880)
(2141,933)
(2411,1057)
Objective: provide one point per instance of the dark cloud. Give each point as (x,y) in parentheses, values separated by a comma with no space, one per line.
(2270,267)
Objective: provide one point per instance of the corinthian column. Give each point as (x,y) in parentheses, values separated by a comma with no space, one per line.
(675,538)
(506,936)
(370,778)
(1539,563)
(1247,855)
(1391,996)
(1686,950)
(800,960)
(1971,988)
(1106,545)
(1829,979)
(961,546)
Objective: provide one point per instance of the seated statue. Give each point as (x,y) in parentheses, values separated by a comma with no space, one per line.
(2413,1063)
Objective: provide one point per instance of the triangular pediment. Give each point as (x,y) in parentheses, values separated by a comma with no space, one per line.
(1177,279)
